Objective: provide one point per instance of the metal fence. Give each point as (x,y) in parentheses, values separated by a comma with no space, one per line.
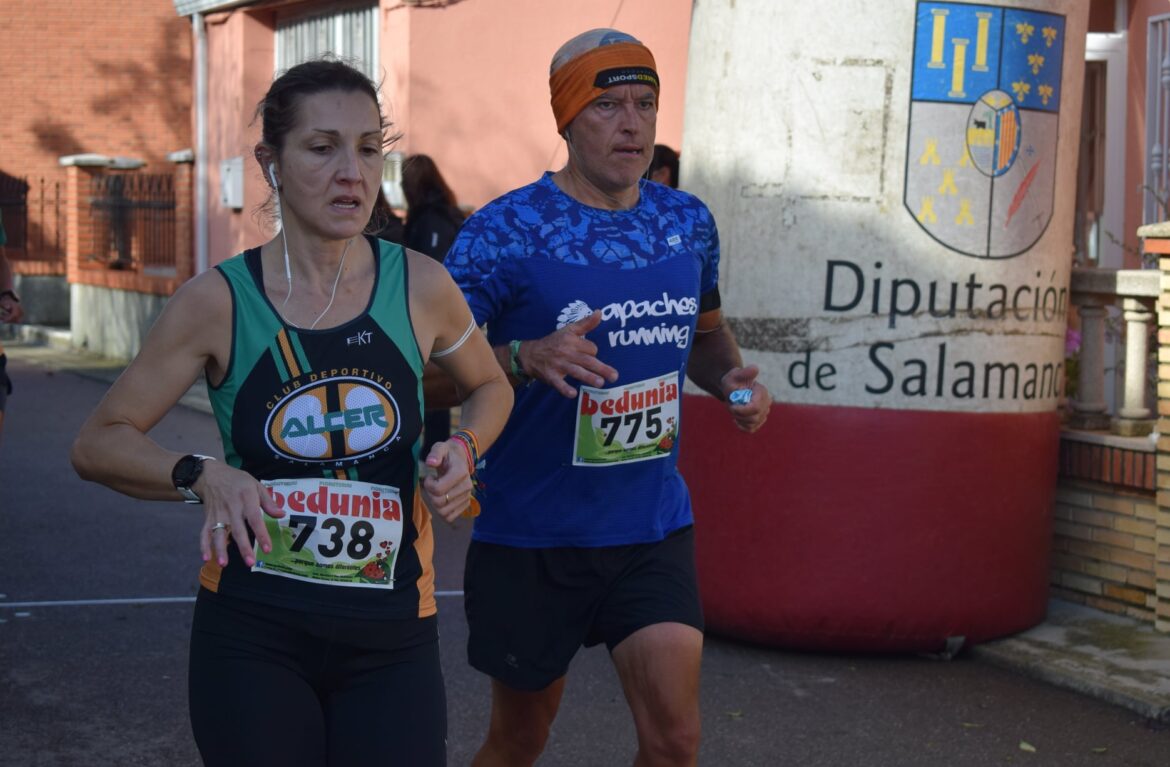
(134,221)
(14,209)
(34,219)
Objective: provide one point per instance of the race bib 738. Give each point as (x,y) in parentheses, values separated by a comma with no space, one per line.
(335,532)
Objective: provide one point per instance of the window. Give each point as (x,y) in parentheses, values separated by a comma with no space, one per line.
(349,33)
(1091,166)
(1157,181)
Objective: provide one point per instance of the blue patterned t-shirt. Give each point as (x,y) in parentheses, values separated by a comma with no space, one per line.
(600,470)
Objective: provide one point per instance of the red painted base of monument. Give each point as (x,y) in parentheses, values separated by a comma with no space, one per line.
(852,529)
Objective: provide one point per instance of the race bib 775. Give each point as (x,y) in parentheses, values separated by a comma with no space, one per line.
(635,422)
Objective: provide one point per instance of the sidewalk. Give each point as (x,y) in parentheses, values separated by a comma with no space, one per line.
(1115,659)
(52,348)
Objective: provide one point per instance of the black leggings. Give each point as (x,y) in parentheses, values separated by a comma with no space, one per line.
(275,687)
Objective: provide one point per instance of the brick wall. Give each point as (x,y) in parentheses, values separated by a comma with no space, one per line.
(112,77)
(80,238)
(1103,552)
(1162,519)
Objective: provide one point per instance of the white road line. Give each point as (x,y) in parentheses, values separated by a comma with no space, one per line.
(134,601)
(90,602)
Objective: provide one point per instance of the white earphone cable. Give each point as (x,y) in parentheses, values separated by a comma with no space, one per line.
(336,280)
(288,266)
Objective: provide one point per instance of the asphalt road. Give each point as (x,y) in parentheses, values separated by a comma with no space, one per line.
(95,609)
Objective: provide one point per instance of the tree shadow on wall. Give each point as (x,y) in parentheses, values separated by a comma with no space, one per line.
(56,137)
(140,94)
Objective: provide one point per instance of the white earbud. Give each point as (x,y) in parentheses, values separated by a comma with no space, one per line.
(283,234)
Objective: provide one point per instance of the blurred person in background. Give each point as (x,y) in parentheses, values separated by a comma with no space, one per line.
(10,311)
(385,223)
(664,166)
(433,218)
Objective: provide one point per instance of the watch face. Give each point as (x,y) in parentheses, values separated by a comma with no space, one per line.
(187,470)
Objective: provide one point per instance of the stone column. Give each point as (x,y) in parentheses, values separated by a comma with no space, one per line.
(1090,410)
(1134,416)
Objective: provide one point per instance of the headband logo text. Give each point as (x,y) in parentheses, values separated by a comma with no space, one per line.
(608,78)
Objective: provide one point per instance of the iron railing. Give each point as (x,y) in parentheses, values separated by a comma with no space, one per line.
(14,210)
(134,221)
(34,219)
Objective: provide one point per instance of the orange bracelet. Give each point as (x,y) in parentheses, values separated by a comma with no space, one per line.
(471,435)
(466,452)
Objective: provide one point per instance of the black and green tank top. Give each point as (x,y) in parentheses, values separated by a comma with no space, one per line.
(332,419)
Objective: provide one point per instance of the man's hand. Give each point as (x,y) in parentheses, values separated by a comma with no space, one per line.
(751,416)
(566,352)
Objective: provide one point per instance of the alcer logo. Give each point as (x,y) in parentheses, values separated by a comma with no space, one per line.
(335,419)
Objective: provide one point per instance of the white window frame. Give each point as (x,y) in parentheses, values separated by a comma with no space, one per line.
(1111,237)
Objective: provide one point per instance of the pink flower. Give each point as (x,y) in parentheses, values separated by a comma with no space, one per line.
(1072,342)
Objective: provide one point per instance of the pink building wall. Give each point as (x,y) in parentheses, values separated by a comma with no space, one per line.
(478,99)
(240,56)
(466,84)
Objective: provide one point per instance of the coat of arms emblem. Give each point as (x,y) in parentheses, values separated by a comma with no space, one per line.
(984,114)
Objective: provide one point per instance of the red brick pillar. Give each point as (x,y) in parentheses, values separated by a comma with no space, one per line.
(79,224)
(184,220)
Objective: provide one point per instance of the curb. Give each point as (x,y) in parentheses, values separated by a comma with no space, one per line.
(1077,681)
(1108,657)
(41,335)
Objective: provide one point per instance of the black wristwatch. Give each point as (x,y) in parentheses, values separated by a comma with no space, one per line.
(186,471)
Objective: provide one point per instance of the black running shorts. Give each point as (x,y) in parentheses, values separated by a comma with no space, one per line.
(530,610)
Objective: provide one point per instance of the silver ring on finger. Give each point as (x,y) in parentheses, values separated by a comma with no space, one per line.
(218,526)
(448,497)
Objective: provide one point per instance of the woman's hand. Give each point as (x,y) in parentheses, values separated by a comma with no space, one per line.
(447,488)
(235,502)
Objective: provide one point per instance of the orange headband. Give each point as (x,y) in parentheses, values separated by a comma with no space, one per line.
(587,76)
